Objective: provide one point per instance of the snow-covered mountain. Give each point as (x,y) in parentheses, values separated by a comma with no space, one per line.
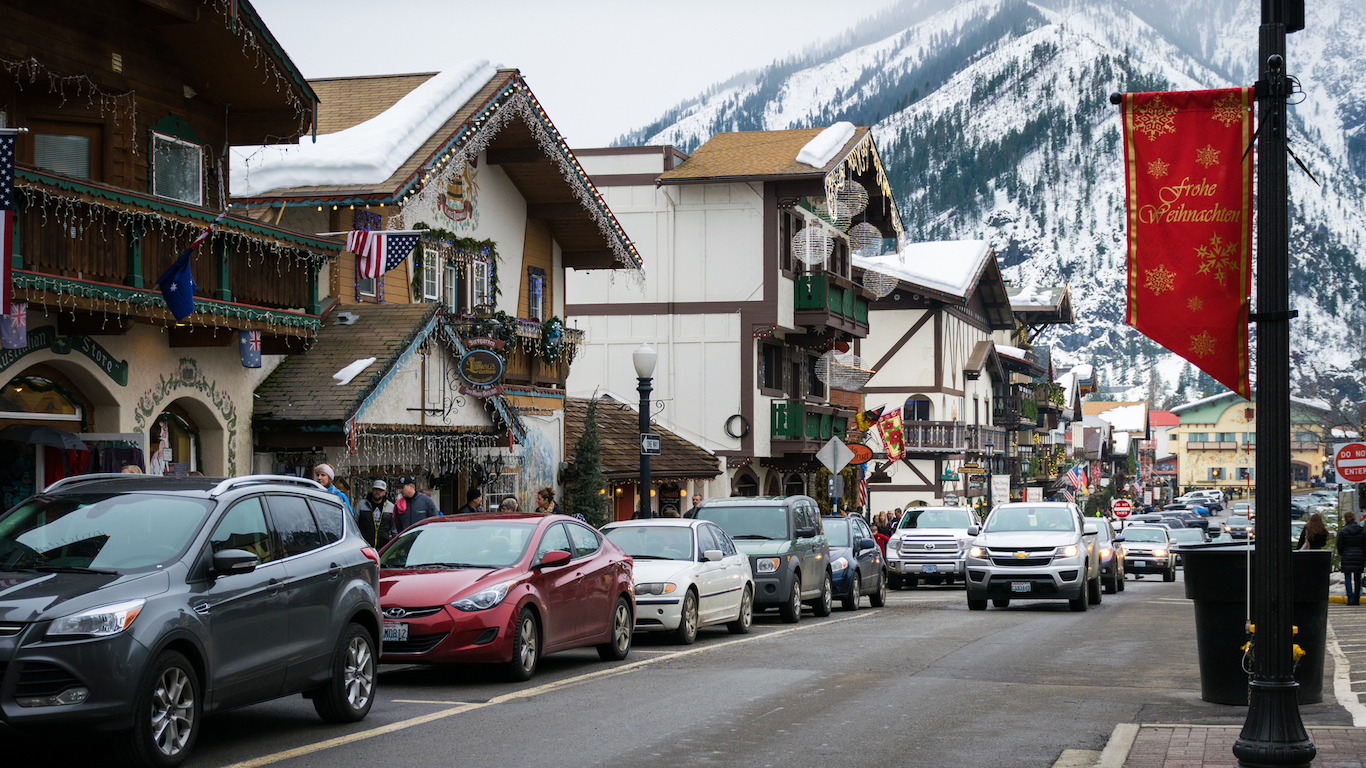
(994,121)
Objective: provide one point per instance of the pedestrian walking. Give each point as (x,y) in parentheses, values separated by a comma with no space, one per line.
(375,515)
(1352,554)
(417,506)
(474,500)
(1314,535)
(324,474)
(696,502)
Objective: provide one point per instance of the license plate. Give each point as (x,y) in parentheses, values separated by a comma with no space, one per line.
(395,632)
(929,568)
(1140,563)
(1019,586)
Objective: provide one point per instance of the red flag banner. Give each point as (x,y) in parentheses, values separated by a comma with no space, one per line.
(1190,225)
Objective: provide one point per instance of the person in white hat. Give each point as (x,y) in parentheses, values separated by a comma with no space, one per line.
(375,515)
(324,474)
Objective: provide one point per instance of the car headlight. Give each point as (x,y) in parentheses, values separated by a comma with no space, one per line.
(766,565)
(97,622)
(1067,551)
(977,552)
(1105,551)
(840,564)
(483,601)
(655,588)
(1159,553)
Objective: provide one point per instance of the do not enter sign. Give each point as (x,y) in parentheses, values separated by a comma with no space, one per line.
(1350,462)
(1122,508)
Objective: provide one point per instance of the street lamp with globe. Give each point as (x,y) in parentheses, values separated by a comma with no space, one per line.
(644,359)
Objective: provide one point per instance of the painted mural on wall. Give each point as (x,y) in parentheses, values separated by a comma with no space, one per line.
(538,458)
(188,376)
(460,201)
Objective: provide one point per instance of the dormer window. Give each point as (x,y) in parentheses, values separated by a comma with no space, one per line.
(177,169)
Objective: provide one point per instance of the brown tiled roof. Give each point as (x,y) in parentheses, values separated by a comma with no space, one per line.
(756,154)
(348,101)
(619,433)
(302,388)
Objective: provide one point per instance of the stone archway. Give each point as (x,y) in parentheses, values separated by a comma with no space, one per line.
(189,385)
(207,449)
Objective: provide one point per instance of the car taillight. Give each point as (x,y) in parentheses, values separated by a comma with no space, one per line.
(370,553)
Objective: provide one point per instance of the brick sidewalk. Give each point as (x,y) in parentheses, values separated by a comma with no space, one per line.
(1195,747)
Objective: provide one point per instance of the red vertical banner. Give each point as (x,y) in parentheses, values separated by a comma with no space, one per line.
(1189,213)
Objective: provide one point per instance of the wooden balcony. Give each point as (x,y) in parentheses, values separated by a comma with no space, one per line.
(519,341)
(1212,446)
(935,436)
(824,301)
(800,427)
(980,435)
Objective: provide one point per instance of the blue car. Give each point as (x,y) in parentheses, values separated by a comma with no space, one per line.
(856,566)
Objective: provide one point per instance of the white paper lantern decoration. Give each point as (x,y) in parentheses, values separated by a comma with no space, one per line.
(851,199)
(880,283)
(845,371)
(865,241)
(812,245)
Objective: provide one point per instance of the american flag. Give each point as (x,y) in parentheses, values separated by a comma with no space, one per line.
(6,218)
(379,252)
(863,488)
(1067,494)
(1077,477)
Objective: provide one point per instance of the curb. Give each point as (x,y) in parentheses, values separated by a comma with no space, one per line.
(1117,749)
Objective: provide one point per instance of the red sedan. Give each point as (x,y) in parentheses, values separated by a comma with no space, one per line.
(504,589)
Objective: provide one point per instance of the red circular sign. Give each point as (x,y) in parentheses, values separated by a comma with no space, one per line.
(1122,508)
(1350,462)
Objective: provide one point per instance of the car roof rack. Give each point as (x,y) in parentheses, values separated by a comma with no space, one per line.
(234,482)
(78,479)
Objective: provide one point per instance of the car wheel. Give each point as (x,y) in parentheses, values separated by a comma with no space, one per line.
(1001,602)
(1119,579)
(166,714)
(745,620)
(791,611)
(852,600)
(1093,591)
(623,625)
(347,697)
(879,598)
(825,604)
(1080,603)
(977,604)
(526,647)
(686,634)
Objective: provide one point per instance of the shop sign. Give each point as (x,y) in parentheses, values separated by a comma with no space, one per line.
(46,338)
(482,371)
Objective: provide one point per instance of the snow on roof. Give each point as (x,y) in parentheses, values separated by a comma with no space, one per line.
(1015,352)
(1068,382)
(821,150)
(1127,418)
(1311,402)
(1083,371)
(1022,296)
(367,153)
(947,266)
(1121,444)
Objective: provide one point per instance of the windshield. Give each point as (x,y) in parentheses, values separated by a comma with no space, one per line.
(116,531)
(1006,519)
(653,542)
(490,544)
(1237,521)
(935,517)
(1145,534)
(1187,536)
(837,533)
(768,522)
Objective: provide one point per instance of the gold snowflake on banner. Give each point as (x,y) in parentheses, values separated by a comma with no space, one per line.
(1228,111)
(1157,169)
(1216,258)
(1155,118)
(1160,280)
(1195,304)
(1207,156)
(1203,345)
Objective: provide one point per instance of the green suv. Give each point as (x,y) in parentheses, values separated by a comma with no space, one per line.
(786,547)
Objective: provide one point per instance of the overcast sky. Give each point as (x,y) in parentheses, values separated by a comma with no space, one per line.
(600,67)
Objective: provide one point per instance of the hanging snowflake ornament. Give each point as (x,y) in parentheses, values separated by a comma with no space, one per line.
(812,245)
(845,371)
(865,241)
(880,283)
(851,199)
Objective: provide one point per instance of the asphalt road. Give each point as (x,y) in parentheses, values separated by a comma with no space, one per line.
(922,682)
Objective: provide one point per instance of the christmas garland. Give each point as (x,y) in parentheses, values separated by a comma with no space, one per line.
(552,340)
(456,250)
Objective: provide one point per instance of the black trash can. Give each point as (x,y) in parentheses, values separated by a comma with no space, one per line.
(1216,579)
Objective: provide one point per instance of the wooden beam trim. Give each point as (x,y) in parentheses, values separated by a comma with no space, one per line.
(906,337)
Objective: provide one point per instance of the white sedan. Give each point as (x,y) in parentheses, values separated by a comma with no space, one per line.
(688,574)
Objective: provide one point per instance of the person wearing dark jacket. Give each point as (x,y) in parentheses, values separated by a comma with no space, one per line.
(474,502)
(419,506)
(1352,553)
(1314,534)
(375,516)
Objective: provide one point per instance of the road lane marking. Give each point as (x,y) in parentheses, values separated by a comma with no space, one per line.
(430,701)
(624,669)
(1342,681)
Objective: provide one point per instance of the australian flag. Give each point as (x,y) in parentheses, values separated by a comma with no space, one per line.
(14,327)
(177,284)
(249,347)
(6,218)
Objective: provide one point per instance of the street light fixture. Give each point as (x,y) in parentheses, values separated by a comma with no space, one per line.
(644,359)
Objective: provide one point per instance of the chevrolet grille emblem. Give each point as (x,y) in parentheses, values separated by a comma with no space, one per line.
(1022,554)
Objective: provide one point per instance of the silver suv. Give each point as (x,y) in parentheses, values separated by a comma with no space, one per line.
(1035,551)
(931,544)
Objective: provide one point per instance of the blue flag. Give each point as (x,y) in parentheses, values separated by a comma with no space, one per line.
(249,347)
(178,286)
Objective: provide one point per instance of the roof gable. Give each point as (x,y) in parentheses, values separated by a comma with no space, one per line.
(756,155)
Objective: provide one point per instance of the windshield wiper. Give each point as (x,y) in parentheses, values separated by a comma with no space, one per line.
(753,536)
(453,565)
(650,557)
(74,569)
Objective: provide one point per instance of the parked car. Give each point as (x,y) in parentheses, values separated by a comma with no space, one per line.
(1243,509)
(1185,536)
(1111,544)
(504,589)
(931,543)
(1189,506)
(140,604)
(855,562)
(1040,550)
(1296,527)
(688,574)
(1210,497)
(1157,519)
(1238,527)
(787,550)
(1148,549)
(1188,519)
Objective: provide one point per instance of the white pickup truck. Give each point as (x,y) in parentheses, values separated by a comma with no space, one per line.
(930,544)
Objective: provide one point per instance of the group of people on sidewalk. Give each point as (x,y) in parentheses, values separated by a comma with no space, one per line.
(1350,546)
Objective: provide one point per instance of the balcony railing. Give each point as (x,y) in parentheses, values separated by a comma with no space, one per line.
(796,426)
(1213,446)
(519,342)
(981,434)
(830,301)
(935,436)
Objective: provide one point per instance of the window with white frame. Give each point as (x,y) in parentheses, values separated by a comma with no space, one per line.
(431,275)
(535,293)
(479,284)
(449,285)
(177,169)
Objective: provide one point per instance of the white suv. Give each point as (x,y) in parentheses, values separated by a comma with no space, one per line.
(931,543)
(1034,551)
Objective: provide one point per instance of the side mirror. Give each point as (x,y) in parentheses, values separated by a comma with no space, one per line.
(553,559)
(1089,529)
(973,530)
(228,562)
(712,556)
(806,533)
(1118,539)
(866,543)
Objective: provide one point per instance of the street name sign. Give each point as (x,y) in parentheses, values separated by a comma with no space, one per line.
(649,444)
(1349,461)
(1122,508)
(835,455)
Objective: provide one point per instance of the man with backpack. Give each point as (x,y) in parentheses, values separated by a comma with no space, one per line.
(375,515)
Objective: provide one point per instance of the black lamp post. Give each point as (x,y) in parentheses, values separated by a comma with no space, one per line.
(644,359)
(1273,734)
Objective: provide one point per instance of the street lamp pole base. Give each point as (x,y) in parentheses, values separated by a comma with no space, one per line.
(1273,735)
